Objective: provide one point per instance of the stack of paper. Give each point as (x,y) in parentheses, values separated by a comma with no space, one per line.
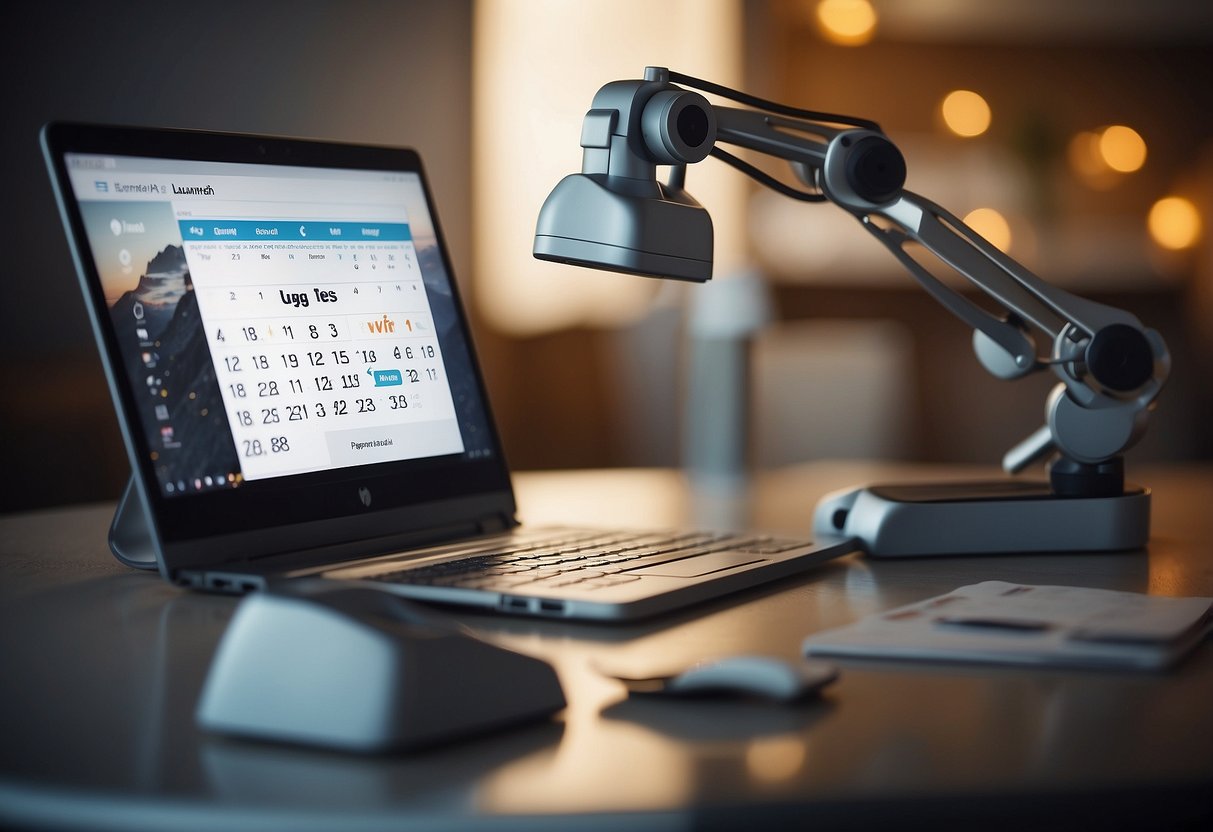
(1009,623)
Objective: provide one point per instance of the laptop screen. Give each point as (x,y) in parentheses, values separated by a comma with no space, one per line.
(278,324)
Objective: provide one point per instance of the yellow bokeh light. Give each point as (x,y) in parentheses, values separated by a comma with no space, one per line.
(1174,223)
(966,113)
(1123,149)
(992,225)
(847,22)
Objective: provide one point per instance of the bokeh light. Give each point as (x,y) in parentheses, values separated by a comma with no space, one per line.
(992,225)
(847,22)
(1174,223)
(1122,148)
(966,113)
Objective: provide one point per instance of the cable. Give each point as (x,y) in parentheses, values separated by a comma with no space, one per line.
(765,178)
(771,106)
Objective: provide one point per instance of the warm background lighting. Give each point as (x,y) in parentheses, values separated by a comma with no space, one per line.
(1086,159)
(1100,157)
(847,22)
(1122,148)
(1174,223)
(526,130)
(966,113)
(992,225)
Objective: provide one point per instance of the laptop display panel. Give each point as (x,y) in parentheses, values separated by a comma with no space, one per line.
(282,334)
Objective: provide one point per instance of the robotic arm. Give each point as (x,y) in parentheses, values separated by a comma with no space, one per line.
(616,215)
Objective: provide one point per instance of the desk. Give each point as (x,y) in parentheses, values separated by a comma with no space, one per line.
(102,667)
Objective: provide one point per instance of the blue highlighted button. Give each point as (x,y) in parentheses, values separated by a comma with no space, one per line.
(385,378)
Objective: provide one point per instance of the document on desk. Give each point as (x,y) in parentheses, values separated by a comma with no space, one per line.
(1004,623)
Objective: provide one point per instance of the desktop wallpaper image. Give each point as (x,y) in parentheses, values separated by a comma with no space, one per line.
(138,251)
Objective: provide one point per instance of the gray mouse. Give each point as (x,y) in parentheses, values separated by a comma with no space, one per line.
(362,670)
(761,677)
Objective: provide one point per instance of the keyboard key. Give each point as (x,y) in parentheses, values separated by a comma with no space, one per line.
(589,559)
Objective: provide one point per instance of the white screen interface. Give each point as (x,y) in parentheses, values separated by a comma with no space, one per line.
(277,320)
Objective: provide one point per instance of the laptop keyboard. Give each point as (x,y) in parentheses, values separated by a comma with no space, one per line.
(586,560)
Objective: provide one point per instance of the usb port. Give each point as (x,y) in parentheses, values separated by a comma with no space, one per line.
(551,606)
(233,584)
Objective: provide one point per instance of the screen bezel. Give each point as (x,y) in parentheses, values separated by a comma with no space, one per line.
(253,512)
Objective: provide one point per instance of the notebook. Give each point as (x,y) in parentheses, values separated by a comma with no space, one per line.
(996,622)
(299,395)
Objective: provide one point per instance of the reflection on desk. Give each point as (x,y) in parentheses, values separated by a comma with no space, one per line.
(102,669)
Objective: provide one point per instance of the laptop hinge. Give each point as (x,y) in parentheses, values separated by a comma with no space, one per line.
(241,576)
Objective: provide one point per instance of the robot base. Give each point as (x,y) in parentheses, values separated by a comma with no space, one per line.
(995,517)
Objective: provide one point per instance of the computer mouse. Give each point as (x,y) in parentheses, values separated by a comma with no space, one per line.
(762,677)
(363,670)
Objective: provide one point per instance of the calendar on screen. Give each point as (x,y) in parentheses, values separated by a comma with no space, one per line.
(279,321)
(323,342)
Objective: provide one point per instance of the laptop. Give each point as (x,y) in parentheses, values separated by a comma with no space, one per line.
(299,395)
